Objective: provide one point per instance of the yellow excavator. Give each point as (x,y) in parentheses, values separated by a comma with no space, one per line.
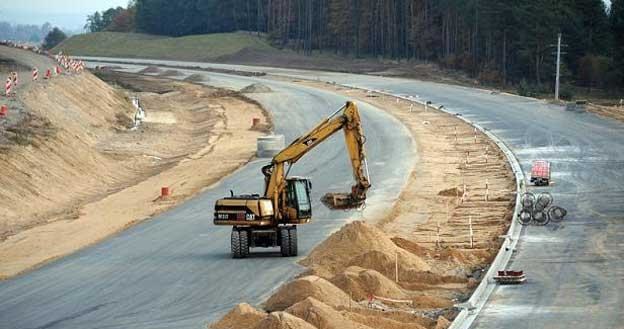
(271,220)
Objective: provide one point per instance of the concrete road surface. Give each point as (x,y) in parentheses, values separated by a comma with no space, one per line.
(175,271)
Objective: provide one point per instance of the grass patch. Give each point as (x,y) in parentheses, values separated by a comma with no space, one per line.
(134,45)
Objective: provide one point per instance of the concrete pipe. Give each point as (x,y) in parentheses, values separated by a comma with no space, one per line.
(269,146)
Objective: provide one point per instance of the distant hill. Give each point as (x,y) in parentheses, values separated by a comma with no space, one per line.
(208,47)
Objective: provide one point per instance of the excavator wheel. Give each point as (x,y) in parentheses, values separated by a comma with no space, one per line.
(244,243)
(288,241)
(284,242)
(292,232)
(239,243)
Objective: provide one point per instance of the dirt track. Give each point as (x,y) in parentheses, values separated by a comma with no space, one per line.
(406,270)
(89,176)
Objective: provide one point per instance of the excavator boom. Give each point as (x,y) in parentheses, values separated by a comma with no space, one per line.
(347,118)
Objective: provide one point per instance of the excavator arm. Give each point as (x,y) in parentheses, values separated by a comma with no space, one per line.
(347,118)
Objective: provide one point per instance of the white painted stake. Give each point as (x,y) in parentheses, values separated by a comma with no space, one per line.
(411,107)
(471,236)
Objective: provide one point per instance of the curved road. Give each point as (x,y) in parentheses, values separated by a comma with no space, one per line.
(575,269)
(175,271)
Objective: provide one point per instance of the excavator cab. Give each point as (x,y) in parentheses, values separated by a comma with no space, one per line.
(298,198)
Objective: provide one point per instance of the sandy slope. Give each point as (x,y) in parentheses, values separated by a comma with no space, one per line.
(89,176)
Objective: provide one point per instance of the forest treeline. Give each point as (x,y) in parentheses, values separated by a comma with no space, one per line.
(496,41)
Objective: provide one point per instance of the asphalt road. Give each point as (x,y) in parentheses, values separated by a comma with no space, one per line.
(575,269)
(175,271)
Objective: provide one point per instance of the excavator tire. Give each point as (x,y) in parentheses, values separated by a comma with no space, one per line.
(235,244)
(244,243)
(292,241)
(285,242)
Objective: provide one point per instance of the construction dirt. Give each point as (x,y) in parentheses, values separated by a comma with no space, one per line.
(409,269)
(256,88)
(76,173)
(612,112)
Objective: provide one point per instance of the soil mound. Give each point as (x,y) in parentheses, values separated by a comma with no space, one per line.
(170,73)
(256,88)
(195,77)
(359,283)
(454,191)
(382,322)
(442,323)
(430,302)
(323,316)
(281,320)
(242,316)
(150,69)
(363,245)
(309,286)
(368,314)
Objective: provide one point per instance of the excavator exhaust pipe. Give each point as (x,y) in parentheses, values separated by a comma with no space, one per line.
(342,201)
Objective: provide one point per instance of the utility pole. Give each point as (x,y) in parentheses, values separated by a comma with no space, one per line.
(558,65)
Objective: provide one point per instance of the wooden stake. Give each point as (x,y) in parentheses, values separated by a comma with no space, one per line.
(396,267)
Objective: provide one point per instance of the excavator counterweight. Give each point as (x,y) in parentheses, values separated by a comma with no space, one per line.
(271,220)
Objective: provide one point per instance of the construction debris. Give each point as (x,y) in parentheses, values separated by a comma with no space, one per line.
(256,88)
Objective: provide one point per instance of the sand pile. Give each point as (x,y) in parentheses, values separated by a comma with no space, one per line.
(359,283)
(150,69)
(442,323)
(196,77)
(367,314)
(309,286)
(377,321)
(170,73)
(256,88)
(281,320)
(242,316)
(363,245)
(323,316)
(430,302)
(451,192)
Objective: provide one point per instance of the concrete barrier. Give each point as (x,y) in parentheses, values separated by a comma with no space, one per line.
(269,146)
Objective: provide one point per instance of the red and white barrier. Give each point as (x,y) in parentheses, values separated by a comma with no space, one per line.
(35,74)
(15,79)
(48,74)
(7,87)
(58,70)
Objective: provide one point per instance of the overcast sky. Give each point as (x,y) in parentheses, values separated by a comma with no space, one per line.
(68,14)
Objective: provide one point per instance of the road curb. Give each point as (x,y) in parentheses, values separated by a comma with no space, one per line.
(471,309)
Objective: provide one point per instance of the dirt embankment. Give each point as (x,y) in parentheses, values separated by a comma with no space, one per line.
(89,176)
(407,270)
(613,112)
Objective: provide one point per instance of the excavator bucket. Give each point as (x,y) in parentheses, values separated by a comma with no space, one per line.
(341,201)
